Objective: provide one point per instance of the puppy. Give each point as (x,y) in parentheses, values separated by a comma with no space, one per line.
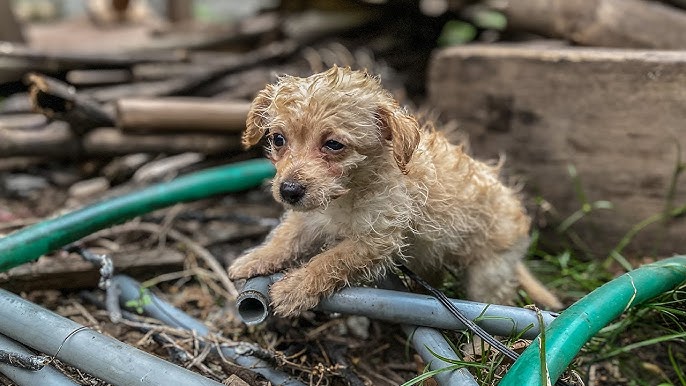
(365,187)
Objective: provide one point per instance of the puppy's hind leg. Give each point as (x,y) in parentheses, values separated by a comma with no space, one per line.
(492,276)
(495,280)
(491,281)
(536,290)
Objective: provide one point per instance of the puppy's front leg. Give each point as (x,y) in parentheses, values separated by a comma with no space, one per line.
(285,244)
(302,288)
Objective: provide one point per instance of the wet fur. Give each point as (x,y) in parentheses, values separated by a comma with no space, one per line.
(397,192)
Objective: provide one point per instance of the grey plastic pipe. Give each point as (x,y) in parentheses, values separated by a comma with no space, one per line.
(165,312)
(253,308)
(428,342)
(399,307)
(253,300)
(88,350)
(425,340)
(47,376)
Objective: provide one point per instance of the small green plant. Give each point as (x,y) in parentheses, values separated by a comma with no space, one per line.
(138,304)
(669,212)
(456,32)
(488,19)
(586,206)
(454,365)
(474,18)
(677,367)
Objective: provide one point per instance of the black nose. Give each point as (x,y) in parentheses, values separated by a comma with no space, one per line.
(291,192)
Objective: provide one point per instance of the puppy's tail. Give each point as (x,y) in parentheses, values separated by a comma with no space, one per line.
(536,289)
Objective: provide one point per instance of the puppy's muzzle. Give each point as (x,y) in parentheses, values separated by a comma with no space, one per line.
(292,191)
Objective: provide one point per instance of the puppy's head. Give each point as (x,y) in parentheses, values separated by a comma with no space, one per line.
(324,130)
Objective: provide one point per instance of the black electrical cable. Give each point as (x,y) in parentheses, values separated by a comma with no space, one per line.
(488,338)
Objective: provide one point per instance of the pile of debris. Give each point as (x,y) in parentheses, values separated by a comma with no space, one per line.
(79,127)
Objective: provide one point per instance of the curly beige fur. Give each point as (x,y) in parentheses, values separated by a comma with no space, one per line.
(395,192)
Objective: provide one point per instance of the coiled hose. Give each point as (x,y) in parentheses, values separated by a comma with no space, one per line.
(34,241)
(576,325)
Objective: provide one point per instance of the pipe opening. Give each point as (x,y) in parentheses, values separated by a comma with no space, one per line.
(252,309)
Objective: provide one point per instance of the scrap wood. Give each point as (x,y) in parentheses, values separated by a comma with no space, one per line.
(72,272)
(244,85)
(10,28)
(186,37)
(550,108)
(161,87)
(53,140)
(181,114)
(60,100)
(179,11)
(610,23)
(239,372)
(16,103)
(22,121)
(22,57)
(146,72)
(187,85)
(18,163)
(110,141)
(165,168)
(98,77)
(57,141)
(247,32)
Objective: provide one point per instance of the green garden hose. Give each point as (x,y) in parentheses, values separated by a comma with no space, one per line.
(576,325)
(34,241)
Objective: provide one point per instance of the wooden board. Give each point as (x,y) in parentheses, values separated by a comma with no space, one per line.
(601,23)
(72,272)
(616,115)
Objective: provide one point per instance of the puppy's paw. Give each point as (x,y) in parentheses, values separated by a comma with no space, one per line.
(242,269)
(253,264)
(292,295)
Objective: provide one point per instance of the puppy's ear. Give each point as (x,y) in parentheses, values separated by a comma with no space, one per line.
(402,130)
(256,124)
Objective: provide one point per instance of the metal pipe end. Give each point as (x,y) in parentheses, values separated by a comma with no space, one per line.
(253,307)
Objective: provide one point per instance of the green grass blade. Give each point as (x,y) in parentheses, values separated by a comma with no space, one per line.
(429,374)
(643,343)
(676,367)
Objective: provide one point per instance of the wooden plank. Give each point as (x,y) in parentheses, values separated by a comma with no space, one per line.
(179,10)
(608,23)
(616,115)
(53,140)
(72,272)
(110,141)
(10,29)
(189,114)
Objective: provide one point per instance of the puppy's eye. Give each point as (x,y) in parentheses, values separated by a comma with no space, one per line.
(332,145)
(278,140)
